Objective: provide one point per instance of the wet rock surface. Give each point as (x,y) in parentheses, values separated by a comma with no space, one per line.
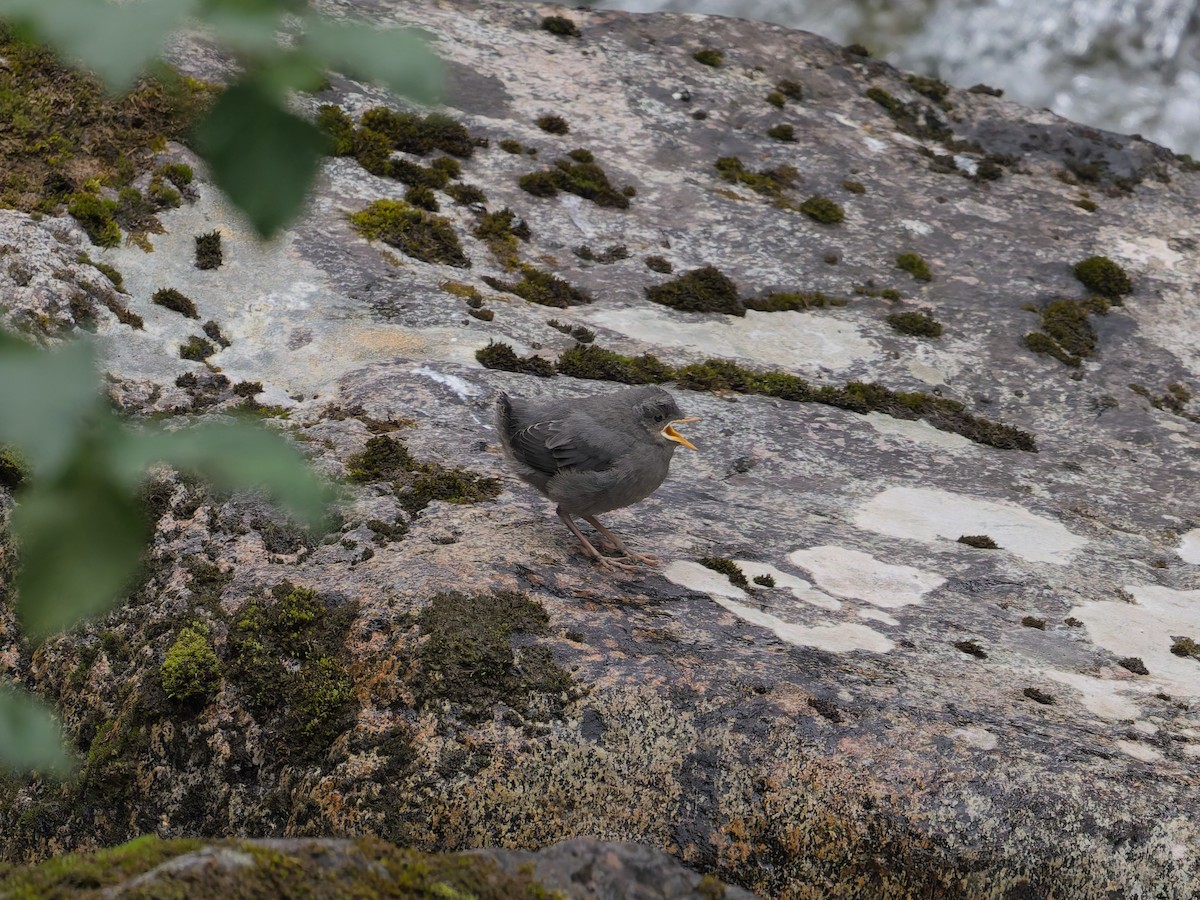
(887,719)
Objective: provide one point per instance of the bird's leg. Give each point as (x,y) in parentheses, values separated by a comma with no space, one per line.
(589,549)
(617,544)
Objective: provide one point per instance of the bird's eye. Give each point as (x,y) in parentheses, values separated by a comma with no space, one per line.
(659,417)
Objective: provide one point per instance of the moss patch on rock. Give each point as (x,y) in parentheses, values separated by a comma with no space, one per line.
(585,179)
(468,657)
(1103,276)
(706,289)
(768,182)
(208,250)
(597,363)
(191,671)
(1066,333)
(413,231)
(915,266)
(417,484)
(822,209)
(728,568)
(541,287)
(709,56)
(560,26)
(176,301)
(500,356)
(919,323)
(500,231)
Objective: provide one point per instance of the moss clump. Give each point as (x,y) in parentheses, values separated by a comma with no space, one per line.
(466,194)
(419,135)
(115,278)
(213,331)
(709,57)
(1087,204)
(451,168)
(502,357)
(822,209)
(769,182)
(561,26)
(174,300)
(383,459)
(971,648)
(579,332)
(414,175)
(767,581)
(1039,696)
(584,179)
(728,568)
(790,301)
(597,363)
(468,657)
(605,257)
(580,154)
(915,266)
(413,231)
(979,541)
(933,88)
(417,484)
(541,287)
(1044,344)
(64,133)
(484,315)
(917,323)
(1105,277)
(191,672)
(552,124)
(179,174)
(1034,622)
(288,660)
(785,133)
(508,145)
(422,197)
(339,127)
(208,250)
(706,289)
(14,470)
(67,876)
(985,89)
(95,216)
(1066,333)
(1185,646)
(458,289)
(776,99)
(197,349)
(1134,664)
(500,231)
(659,264)
(793,90)
(915,119)
(854,187)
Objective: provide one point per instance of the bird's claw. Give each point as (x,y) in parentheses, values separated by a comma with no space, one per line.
(613,564)
(647,559)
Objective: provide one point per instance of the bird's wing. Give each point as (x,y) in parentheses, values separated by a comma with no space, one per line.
(555,445)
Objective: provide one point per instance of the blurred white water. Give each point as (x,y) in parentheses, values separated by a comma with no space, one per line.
(1131,66)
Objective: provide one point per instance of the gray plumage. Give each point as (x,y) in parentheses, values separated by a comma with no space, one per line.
(592,455)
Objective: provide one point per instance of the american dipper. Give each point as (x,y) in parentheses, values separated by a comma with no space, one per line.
(594,455)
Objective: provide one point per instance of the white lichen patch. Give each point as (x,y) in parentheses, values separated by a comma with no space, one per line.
(802,590)
(859,576)
(1147,629)
(929,514)
(696,577)
(1189,547)
(461,387)
(769,339)
(840,638)
(1139,751)
(974,736)
(1101,696)
(918,431)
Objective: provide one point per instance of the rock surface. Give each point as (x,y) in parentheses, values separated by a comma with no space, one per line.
(901,714)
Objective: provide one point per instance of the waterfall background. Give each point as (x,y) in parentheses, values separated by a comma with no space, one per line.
(1131,66)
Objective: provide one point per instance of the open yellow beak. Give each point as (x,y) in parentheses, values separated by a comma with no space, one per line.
(672,435)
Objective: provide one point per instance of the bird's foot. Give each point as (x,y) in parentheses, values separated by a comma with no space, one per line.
(611,565)
(646,559)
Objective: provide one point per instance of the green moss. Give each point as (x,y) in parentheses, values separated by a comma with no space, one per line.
(163,197)
(1186,646)
(508,145)
(596,363)
(459,289)
(191,672)
(985,89)
(502,357)
(540,184)
(979,541)
(340,128)
(553,124)
(213,331)
(788,301)
(706,289)
(822,209)
(500,231)
(769,182)
(912,118)
(889,294)
(971,648)
(422,197)
(579,332)
(1067,322)
(1034,622)
(916,323)
(415,175)
(541,287)
(1134,664)
(561,26)
(179,174)
(383,459)
(115,277)
(419,135)
(174,300)
(785,133)
(466,194)
(208,250)
(584,179)
(728,568)
(1086,203)
(933,88)
(709,57)
(793,90)
(62,129)
(659,264)
(767,581)
(854,187)
(413,231)
(1105,277)
(67,876)
(776,99)
(1039,696)
(1043,343)
(14,469)
(468,656)
(95,216)
(915,266)
(197,349)
(451,168)
(417,484)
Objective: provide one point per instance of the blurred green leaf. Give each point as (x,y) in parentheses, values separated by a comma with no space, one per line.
(30,737)
(397,58)
(81,536)
(47,398)
(260,155)
(234,457)
(115,40)
(254,6)
(250,32)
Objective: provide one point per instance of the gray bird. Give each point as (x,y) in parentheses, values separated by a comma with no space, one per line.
(594,455)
